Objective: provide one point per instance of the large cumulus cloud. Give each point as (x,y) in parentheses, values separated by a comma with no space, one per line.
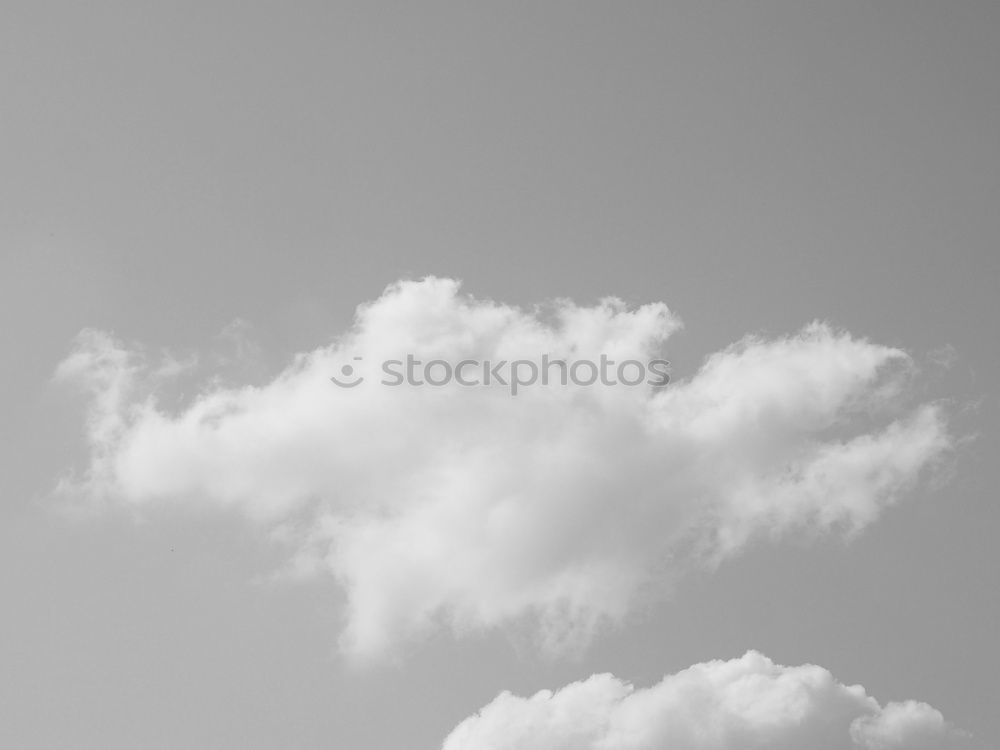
(468,508)
(749,703)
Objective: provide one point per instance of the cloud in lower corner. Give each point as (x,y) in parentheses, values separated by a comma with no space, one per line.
(744,703)
(469,509)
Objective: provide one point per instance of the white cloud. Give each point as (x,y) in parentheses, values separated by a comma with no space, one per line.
(740,704)
(469,508)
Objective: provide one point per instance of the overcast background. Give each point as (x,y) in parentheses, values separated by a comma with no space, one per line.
(168,168)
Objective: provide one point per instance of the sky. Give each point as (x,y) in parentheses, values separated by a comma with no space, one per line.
(207,208)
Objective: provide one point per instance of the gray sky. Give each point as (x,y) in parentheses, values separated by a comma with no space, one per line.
(166,170)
